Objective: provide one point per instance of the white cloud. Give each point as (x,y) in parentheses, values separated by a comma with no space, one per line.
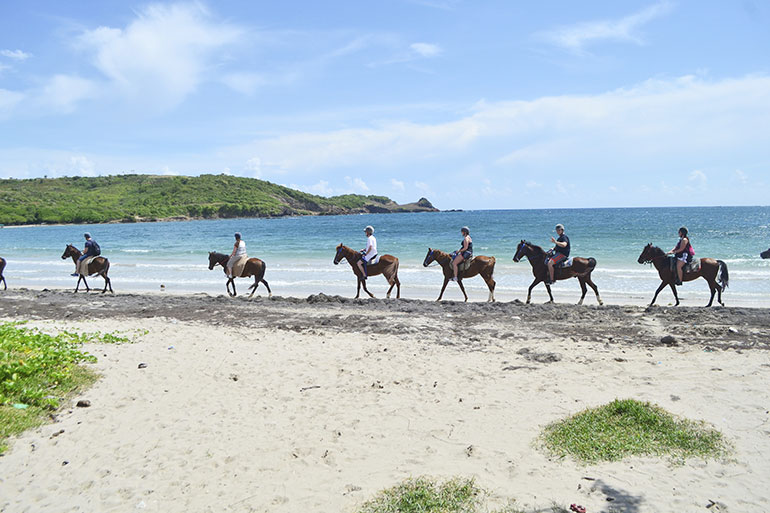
(397,184)
(254,166)
(625,29)
(16,55)
(531,184)
(697,178)
(425,49)
(63,92)
(163,55)
(9,100)
(741,176)
(246,83)
(424,188)
(356,184)
(321,188)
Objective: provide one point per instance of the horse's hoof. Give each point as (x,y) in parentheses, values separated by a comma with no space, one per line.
(270,295)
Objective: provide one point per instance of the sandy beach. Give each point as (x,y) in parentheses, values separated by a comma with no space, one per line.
(315,404)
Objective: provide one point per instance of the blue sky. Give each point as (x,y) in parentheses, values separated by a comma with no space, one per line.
(483,104)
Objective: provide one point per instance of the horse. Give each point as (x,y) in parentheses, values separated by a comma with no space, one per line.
(99,265)
(483,265)
(2,278)
(387,266)
(765,254)
(708,270)
(580,268)
(254,267)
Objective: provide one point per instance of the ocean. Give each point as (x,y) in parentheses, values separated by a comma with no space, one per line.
(299,252)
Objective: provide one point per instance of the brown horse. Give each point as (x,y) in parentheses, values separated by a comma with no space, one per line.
(581,269)
(483,265)
(2,278)
(254,267)
(765,254)
(98,265)
(387,266)
(708,270)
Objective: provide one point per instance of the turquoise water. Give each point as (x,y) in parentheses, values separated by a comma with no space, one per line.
(299,251)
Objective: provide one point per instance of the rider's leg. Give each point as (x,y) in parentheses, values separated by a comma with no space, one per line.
(550,270)
(77,265)
(361,267)
(679,267)
(457,261)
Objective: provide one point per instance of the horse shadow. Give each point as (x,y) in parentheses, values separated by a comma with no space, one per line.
(622,501)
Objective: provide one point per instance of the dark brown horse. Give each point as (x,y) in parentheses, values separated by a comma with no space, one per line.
(387,266)
(765,254)
(98,265)
(254,267)
(708,270)
(581,269)
(2,278)
(483,265)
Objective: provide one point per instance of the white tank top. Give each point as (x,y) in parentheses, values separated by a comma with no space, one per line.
(241,250)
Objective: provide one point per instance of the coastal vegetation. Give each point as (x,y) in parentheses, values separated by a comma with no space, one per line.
(132,198)
(627,427)
(38,371)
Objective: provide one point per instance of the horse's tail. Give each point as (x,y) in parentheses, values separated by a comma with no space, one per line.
(591,263)
(724,277)
(264,268)
(494,261)
(106,266)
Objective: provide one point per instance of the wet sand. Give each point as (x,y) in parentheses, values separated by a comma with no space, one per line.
(315,404)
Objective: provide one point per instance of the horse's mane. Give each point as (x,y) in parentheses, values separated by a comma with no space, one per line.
(535,248)
(215,254)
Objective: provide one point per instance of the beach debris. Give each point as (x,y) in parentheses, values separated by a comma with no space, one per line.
(539,357)
(377,384)
(83,403)
(312,387)
(234,377)
(675,397)
(21,406)
(350,488)
(142,504)
(65,462)
(714,506)
(517,367)
(470,450)
(577,508)
(142,366)
(733,330)
(669,340)
(57,433)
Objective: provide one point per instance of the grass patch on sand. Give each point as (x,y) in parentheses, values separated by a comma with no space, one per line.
(37,372)
(627,427)
(426,495)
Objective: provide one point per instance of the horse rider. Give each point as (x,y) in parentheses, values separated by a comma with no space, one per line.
(465,252)
(560,251)
(369,253)
(239,251)
(91,250)
(683,252)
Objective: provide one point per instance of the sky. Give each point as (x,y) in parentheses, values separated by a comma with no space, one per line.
(472,104)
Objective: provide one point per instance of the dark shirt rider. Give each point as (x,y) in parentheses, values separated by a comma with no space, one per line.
(560,251)
(88,252)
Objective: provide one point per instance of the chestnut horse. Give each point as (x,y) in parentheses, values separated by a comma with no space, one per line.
(254,267)
(2,278)
(387,266)
(98,265)
(483,265)
(581,269)
(708,270)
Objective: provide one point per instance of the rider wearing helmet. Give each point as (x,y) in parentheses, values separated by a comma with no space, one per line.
(465,252)
(90,250)
(369,253)
(560,251)
(683,253)
(239,251)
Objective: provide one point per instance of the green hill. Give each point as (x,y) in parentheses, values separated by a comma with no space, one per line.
(132,198)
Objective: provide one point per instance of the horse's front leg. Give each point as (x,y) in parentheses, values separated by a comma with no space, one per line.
(548,288)
(584,288)
(654,297)
(676,296)
(529,291)
(363,284)
(253,288)
(77,285)
(462,287)
(358,286)
(443,287)
(230,281)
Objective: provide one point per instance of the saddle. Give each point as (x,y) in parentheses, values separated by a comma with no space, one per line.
(693,266)
(465,264)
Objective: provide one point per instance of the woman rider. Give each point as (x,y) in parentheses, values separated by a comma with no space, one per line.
(683,253)
(369,252)
(239,251)
(465,252)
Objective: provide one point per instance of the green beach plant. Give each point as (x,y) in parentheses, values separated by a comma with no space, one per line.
(627,427)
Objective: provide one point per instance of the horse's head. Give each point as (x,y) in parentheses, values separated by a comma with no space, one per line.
(339,255)
(521,250)
(765,254)
(429,258)
(68,252)
(214,259)
(647,254)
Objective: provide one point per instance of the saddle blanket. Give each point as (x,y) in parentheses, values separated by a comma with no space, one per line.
(465,264)
(374,261)
(83,265)
(563,263)
(692,267)
(239,265)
